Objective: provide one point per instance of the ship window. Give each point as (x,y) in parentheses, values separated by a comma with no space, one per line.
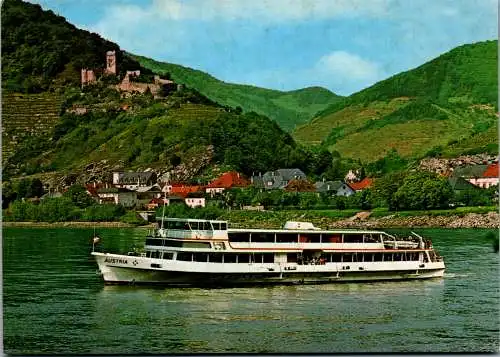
(223,226)
(173,243)
(177,225)
(347,257)
(262,237)
(368,257)
(336,257)
(184,256)
(291,257)
(200,257)
(353,238)
(216,226)
(155,254)
(215,258)
(357,257)
(243,258)
(195,225)
(258,258)
(268,257)
(229,258)
(153,241)
(334,238)
(168,255)
(286,238)
(148,254)
(377,257)
(388,257)
(370,238)
(314,238)
(196,245)
(206,226)
(239,237)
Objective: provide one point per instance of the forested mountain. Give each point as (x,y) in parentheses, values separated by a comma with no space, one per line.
(440,107)
(445,107)
(42,51)
(43,54)
(288,109)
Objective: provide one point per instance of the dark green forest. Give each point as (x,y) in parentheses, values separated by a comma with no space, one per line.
(41,51)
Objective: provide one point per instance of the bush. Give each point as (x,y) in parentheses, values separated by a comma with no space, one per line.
(131,217)
(103,213)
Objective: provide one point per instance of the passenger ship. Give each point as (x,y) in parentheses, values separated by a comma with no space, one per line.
(207,252)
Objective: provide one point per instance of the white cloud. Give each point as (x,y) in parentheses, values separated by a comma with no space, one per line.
(348,65)
(340,71)
(268,11)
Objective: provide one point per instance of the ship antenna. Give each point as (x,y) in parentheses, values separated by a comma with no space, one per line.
(163,214)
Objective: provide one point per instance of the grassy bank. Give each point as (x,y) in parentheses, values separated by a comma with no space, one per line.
(69,224)
(485,217)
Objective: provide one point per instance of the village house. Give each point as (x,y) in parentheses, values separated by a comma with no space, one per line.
(361,185)
(146,193)
(181,189)
(155,203)
(190,201)
(488,178)
(118,196)
(195,201)
(277,179)
(226,181)
(352,176)
(134,180)
(337,188)
(482,176)
(459,184)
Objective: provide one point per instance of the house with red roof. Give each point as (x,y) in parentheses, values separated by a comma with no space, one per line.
(365,183)
(226,181)
(489,177)
(156,202)
(181,190)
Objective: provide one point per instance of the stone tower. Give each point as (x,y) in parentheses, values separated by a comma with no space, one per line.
(110,62)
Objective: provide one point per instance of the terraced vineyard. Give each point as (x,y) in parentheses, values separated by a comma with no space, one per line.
(446,106)
(27,115)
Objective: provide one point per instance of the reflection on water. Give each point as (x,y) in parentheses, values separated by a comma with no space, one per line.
(51,286)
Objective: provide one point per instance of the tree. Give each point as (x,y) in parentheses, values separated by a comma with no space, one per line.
(8,194)
(423,190)
(22,188)
(385,187)
(35,189)
(79,196)
(474,197)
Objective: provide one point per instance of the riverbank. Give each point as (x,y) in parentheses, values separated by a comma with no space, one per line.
(70,225)
(470,220)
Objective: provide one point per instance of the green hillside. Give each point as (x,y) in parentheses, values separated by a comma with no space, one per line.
(42,51)
(68,127)
(450,99)
(184,128)
(288,109)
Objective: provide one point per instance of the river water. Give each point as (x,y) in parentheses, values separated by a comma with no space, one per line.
(54,303)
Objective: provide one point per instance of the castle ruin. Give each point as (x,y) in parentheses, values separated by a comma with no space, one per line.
(88,76)
(110,63)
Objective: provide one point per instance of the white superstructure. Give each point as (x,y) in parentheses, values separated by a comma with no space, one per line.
(207,252)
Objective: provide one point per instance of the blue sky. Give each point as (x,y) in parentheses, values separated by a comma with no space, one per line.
(342,45)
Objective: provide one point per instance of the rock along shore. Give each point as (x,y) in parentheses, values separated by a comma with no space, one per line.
(471,220)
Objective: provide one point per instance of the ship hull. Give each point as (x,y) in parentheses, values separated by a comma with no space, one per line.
(116,269)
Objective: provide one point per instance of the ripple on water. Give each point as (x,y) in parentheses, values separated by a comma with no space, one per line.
(69,310)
